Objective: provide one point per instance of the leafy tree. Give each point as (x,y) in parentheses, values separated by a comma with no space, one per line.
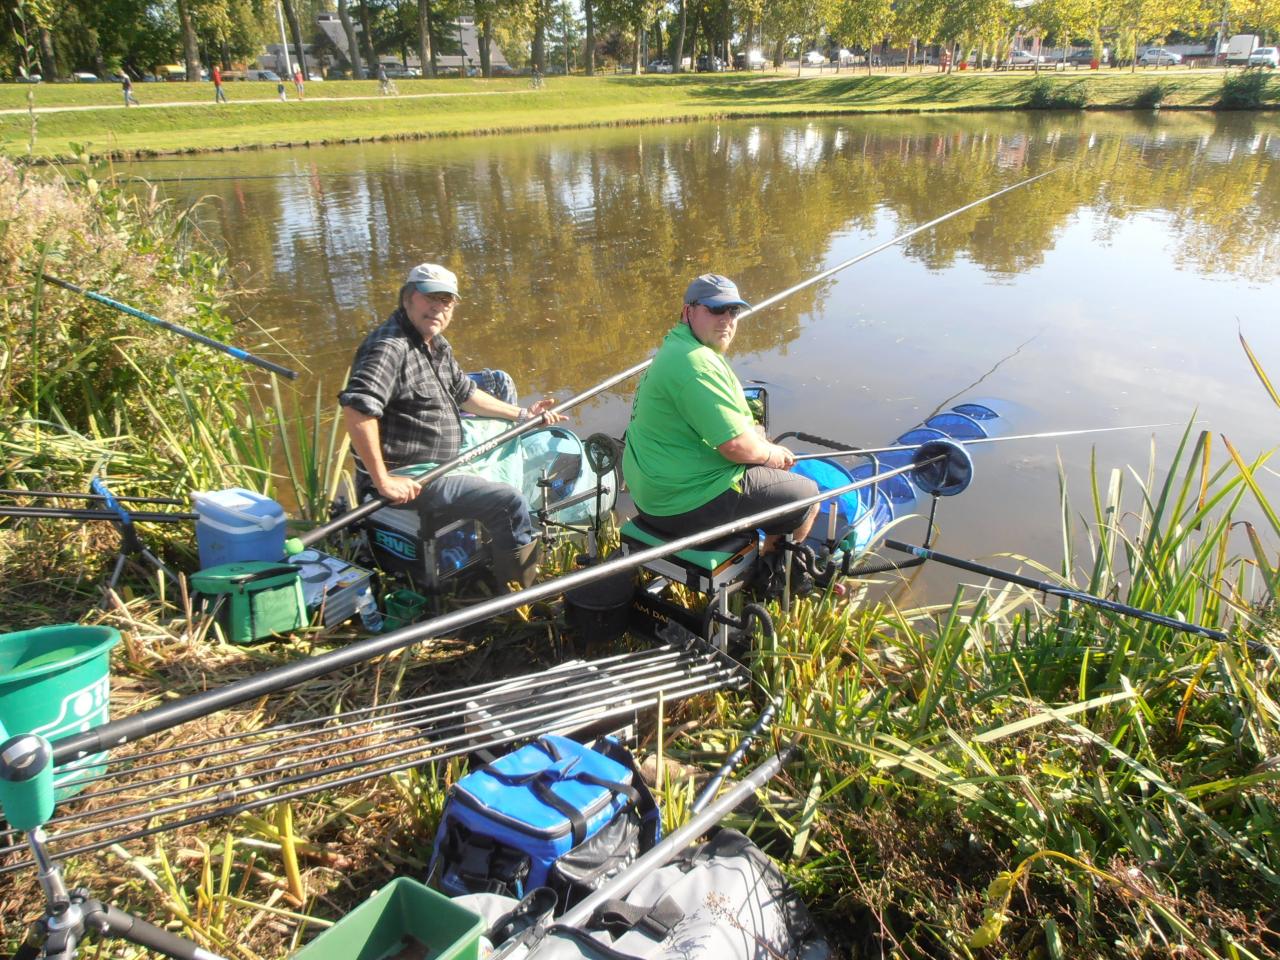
(866,22)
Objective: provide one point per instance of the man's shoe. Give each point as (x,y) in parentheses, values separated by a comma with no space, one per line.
(519,566)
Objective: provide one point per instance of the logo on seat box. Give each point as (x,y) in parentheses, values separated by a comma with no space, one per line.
(394,543)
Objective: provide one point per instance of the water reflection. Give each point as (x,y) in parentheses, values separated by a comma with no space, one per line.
(1107,284)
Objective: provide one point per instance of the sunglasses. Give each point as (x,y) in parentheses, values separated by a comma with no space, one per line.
(732,309)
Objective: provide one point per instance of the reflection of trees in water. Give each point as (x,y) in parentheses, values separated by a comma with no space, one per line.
(574,248)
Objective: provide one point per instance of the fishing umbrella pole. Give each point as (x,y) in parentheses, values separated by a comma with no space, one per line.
(116,733)
(377,503)
(172,327)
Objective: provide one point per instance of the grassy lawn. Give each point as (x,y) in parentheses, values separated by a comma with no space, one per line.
(352,110)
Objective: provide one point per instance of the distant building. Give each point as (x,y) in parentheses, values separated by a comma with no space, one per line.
(462,30)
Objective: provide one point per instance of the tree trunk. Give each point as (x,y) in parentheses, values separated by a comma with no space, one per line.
(295,28)
(426,55)
(539,51)
(190,46)
(677,62)
(589,9)
(486,39)
(726,25)
(48,60)
(371,56)
(353,45)
(635,50)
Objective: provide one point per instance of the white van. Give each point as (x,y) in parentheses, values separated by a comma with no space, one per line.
(1240,47)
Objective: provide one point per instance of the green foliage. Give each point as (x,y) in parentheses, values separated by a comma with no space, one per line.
(1152,97)
(1045,94)
(1243,91)
(1128,764)
(86,387)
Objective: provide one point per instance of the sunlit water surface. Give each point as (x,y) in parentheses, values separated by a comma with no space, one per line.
(1112,293)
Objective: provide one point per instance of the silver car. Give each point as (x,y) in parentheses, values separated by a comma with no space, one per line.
(1158,57)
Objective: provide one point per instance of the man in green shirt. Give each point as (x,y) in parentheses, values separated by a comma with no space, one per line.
(694,456)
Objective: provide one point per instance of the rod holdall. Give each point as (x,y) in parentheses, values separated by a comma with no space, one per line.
(720,900)
(553,813)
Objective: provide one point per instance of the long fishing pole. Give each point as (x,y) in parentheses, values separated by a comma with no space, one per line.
(895,448)
(377,503)
(1057,590)
(53,513)
(118,732)
(58,495)
(172,327)
(713,785)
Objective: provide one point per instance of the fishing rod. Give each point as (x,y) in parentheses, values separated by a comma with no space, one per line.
(1056,590)
(237,795)
(172,327)
(895,448)
(564,696)
(53,513)
(115,733)
(713,785)
(56,495)
(375,504)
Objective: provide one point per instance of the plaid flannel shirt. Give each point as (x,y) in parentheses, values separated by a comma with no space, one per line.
(414,392)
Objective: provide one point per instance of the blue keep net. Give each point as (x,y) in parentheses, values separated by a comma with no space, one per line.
(857,519)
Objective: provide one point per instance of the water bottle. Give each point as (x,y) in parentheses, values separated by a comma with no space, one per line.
(367,607)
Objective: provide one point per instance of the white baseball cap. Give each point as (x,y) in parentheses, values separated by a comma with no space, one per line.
(433,278)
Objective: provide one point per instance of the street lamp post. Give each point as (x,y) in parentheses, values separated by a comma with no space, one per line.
(284,43)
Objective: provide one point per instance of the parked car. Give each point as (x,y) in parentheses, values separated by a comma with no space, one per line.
(709,64)
(1265,57)
(1023,58)
(268,75)
(814,58)
(84,77)
(749,60)
(1085,57)
(843,56)
(29,78)
(1158,57)
(660,65)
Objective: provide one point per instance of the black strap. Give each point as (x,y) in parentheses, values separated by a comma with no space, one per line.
(656,922)
(589,943)
(577,822)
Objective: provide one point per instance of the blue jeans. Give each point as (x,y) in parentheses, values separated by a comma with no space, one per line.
(499,506)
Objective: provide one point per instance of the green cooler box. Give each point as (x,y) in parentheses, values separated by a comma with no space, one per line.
(254,599)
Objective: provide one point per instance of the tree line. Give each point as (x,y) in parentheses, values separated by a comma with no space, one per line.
(55,37)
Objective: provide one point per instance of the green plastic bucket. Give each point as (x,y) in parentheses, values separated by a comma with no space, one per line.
(403,919)
(54,681)
(403,608)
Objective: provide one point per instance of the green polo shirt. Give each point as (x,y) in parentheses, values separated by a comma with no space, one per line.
(688,403)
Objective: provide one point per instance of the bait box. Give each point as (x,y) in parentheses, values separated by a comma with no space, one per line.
(330,585)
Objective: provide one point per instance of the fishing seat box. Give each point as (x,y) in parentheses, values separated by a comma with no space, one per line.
(552,813)
(236,525)
(398,544)
(253,600)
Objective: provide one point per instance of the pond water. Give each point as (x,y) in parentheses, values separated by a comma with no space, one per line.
(1109,294)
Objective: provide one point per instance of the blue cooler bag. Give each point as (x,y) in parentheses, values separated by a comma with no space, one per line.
(553,813)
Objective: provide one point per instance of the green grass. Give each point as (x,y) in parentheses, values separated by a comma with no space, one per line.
(461,107)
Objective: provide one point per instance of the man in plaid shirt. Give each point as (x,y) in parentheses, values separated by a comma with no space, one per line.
(403,405)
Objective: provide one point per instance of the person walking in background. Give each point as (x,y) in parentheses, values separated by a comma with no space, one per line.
(384,84)
(280,90)
(219,95)
(297,83)
(127,86)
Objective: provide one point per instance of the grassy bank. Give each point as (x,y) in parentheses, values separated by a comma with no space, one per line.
(345,111)
(988,777)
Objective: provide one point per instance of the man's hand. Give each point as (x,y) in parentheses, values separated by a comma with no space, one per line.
(780,457)
(399,489)
(546,403)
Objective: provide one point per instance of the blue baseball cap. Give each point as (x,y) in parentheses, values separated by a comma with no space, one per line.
(713,290)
